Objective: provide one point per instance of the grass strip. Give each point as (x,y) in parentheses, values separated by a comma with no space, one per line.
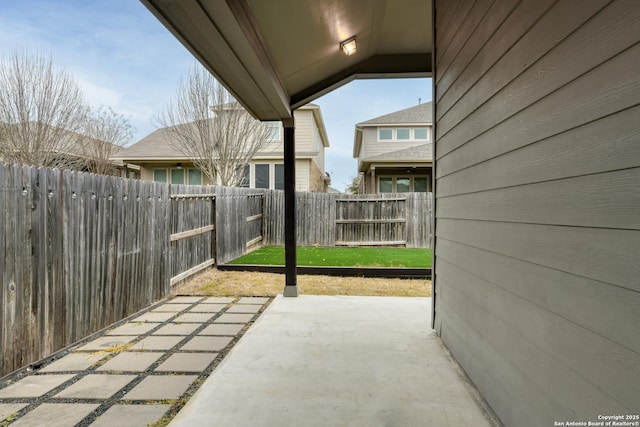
(318,256)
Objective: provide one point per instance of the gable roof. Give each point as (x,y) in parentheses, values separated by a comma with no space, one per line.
(418,114)
(153,146)
(156,145)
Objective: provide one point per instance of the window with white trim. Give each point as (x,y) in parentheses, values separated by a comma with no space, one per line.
(403,184)
(261,172)
(403,134)
(160,175)
(274,133)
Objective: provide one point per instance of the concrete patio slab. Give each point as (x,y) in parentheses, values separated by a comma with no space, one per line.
(169,307)
(253,300)
(221,329)
(56,415)
(177,329)
(328,360)
(154,317)
(133,328)
(8,409)
(189,300)
(74,362)
(131,361)
(207,308)
(157,343)
(131,415)
(193,317)
(244,308)
(35,385)
(206,343)
(161,387)
(234,318)
(187,362)
(96,386)
(218,300)
(106,342)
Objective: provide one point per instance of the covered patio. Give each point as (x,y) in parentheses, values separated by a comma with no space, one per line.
(536,172)
(332,361)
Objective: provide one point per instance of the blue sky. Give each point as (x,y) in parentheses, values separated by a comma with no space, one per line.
(124,58)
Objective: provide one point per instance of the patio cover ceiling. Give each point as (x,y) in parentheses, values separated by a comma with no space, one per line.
(277,55)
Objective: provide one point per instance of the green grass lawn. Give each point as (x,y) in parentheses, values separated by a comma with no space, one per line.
(341,257)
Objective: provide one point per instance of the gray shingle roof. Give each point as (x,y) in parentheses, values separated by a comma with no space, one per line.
(419,153)
(154,145)
(418,114)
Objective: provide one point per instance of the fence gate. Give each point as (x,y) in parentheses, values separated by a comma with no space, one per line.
(192,239)
(371,222)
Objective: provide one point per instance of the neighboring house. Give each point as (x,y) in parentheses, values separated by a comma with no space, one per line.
(160,161)
(62,149)
(394,151)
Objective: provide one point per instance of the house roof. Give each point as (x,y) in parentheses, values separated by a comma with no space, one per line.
(419,154)
(277,55)
(418,114)
(153,146)
(156,146)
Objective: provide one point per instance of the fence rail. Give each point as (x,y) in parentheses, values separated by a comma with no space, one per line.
(82,251)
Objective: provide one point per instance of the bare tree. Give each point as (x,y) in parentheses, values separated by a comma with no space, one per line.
(207,125)
(104,132)
(41,111)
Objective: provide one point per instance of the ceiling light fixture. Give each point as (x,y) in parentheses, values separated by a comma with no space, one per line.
(349,46)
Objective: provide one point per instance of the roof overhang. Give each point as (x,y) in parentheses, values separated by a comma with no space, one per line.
(275,56)
(367,165)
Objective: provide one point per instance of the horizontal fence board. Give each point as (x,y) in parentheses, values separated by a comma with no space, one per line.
(191,233)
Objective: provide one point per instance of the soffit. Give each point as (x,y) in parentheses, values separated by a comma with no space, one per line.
(277,54)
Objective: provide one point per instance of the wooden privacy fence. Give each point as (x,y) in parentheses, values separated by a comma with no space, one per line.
(193,238)
(371,222)
(78,253)
(339,219)
(82,251)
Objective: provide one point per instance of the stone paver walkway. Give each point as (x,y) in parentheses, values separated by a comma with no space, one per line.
(136,373)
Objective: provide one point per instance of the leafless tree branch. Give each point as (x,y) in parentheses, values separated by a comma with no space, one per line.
(207,125)
(41,111)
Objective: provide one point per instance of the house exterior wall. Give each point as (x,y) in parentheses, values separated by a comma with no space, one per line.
(316,179)
(371,146)
(538,204)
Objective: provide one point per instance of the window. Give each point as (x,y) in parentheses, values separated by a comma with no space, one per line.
(195,177)
(262,176)
(420,184)
(385,134)
(273,133)
(420,133)
(386,185)
(279,176)
(177,176)
(246,177)
(160,175)
(403,185)
(404,133)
